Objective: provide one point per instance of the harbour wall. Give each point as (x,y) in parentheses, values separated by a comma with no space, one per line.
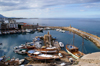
(94,38)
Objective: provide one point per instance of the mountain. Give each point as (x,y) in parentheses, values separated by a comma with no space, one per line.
(1,16)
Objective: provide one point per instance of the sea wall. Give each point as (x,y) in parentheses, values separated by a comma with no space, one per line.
(94,38)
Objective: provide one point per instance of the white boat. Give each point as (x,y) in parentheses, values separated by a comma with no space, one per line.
(21,61)
(57,29)
(4,32)
(73,50)
(47,28)
(61,44)
(63,31)
(28,31)
(20,51)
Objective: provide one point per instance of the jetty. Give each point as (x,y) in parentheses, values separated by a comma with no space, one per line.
(94,38)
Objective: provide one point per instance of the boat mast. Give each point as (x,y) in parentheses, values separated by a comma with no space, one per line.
(82,44)
(73,38)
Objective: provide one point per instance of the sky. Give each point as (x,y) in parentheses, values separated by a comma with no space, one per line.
(50,8)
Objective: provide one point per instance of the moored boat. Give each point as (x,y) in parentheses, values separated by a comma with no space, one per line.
(61,44)
(21,51)
(73,50)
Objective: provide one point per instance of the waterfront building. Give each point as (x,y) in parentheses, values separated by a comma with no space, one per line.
(28,26)
(12,24)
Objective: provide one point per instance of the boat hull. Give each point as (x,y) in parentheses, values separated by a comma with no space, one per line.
(72,54)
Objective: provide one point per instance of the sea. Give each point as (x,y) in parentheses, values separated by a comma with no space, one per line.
(90,25)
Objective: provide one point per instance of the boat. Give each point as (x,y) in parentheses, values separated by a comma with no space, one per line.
(28,31)
(21,51)
(21,61)
(40,29)
(44,57)
(4,32)
(47,50)
(23,31)
(63,31)
(33,52)
(57,29)
(47,28)
(61,44)
(73,50)
(26,46)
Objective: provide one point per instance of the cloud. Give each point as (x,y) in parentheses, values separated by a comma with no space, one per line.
(82,10)
(91,5)
(9,5)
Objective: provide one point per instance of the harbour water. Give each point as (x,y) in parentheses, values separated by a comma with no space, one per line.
(88,25)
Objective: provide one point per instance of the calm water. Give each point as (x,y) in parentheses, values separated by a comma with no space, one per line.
(89,25)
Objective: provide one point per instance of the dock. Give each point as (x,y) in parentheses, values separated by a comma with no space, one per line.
(94,38)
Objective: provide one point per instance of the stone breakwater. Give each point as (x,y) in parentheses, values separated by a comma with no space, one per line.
(95,39)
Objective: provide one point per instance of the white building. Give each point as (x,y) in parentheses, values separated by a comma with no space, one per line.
(12,24)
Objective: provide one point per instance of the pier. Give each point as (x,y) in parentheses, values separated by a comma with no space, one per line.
(94,38)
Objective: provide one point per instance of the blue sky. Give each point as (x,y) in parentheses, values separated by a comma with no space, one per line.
(50,8)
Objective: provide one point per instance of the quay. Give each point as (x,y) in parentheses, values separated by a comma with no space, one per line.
(94,38)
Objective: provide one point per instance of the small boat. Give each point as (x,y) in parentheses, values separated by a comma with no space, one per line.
(63,31)
(33,52)
(4,32)
(73,50)
(23,31)
(21,61)
(21,51)
(57,29)
(48,50)
(28,31)
(40,29)
(44,57)
(47,28)
(61,44)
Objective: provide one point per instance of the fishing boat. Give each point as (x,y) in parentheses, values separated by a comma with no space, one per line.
(33,52)
(73,50)
(23,31)
(28,31)
(51,50)
(61,44)
(25,46)
(63,31)
(47,28)
(21,51)
(44,57)
(40,29)
(4,32)
(57,29)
